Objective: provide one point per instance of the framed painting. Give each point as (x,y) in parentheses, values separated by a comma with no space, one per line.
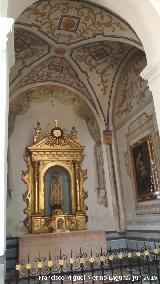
(144,169)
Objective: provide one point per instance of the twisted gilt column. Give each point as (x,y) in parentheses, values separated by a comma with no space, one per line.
(36,186)
(77,182)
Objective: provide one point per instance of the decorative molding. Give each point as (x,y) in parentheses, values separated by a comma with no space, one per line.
(107,137)
(127,163)
(101,189)
(132,91)
(139,125)
(144,222)
(146,210)
(152,71)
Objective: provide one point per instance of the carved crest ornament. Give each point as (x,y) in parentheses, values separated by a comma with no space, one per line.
(56,151)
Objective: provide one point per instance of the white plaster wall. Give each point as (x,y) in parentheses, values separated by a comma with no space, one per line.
(99,216)
(133,221)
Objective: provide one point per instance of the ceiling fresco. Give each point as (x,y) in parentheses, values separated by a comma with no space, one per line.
(54,69)
(74,44)
(133,91)
(99,61)
(68,22)
(28,49)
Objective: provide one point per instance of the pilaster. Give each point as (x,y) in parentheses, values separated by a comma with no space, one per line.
(152,74)
(6,25)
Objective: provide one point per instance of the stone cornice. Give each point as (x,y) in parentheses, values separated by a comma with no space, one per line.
(151,71)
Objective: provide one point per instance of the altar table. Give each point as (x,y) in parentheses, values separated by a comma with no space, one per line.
(43,245)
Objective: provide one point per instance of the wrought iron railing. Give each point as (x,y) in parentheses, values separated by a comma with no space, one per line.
(111,266)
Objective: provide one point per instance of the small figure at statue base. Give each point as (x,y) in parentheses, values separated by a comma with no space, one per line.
(57,211)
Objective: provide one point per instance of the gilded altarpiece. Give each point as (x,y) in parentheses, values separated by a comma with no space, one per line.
(54,150)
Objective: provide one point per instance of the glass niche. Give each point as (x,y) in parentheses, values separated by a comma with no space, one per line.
(57,190)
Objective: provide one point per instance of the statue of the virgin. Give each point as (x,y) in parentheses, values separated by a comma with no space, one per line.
(56,197)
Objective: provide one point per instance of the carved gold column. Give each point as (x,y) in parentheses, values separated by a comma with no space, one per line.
(36,186)
(77,183)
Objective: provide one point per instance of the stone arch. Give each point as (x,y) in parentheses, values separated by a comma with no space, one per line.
(23,99)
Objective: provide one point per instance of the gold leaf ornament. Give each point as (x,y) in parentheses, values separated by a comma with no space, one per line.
(81,260)
(71,260)
(91,260)
(40,264)
(50,263)
(138,253)
(28,266)
(101,258)
(146,252)
(61,262)
(111,257)
(156,251)
(18,267)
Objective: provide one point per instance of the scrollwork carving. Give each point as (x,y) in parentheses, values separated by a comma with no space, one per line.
(101,189)
(127,163)
(83,175)
(27,194)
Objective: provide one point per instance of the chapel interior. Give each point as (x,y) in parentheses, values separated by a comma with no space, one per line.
(83,140)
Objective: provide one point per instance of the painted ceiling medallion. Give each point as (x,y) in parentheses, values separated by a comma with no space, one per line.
(20,45)
(68,23)
(99,54)
(60,50)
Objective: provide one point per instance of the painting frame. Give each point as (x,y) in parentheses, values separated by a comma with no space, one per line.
(144,169)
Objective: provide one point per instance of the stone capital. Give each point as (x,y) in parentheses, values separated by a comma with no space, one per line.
(6,26)
(152,71)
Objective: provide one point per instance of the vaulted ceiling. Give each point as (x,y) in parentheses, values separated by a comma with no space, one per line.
(74,44)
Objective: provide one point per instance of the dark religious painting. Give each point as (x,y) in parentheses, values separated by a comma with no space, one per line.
(144,169)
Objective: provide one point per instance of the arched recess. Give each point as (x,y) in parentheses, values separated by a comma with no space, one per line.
(66,186)
(21,103)
(23,98)
(132,118)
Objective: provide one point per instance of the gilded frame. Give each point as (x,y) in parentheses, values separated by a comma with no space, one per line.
(44,153)
(144,169)
(41,185)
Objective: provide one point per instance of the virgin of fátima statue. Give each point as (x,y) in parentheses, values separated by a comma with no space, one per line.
(56,197)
